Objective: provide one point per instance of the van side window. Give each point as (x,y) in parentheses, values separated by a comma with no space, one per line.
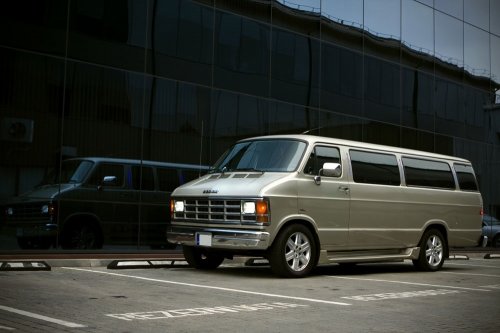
(374,168)
(144,183)
(428,173)
(104,170)
(318,157)
(168,179)
(466,179)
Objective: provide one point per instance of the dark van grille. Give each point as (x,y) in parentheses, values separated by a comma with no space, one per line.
(26,211)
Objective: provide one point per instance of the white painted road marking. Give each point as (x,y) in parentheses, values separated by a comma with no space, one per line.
(37,316)
(495,286)
(412,283)
(6,328)
(209,287)
(203,311)
(470,274)
(449,263)
(407,294)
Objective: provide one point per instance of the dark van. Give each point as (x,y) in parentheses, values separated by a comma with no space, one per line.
(93,202)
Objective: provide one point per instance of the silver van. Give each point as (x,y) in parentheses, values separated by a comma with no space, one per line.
(93,201)
(301,200)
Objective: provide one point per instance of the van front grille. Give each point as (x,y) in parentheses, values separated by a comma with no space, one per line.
(27,211)
(214,211)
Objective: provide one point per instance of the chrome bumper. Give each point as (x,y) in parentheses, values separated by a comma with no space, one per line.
(221,238)
(482,242)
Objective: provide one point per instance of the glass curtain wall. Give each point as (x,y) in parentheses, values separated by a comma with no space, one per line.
(106,107)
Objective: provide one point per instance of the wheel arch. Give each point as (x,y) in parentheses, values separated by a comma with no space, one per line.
(308,224)
(79,217)
(441,227)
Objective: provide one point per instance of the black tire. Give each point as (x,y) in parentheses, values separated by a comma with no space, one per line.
(496,242)
(201,258)
(34,243)
(432,251)
(81,235)
(297,260)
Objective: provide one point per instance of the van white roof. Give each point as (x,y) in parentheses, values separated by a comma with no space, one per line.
(312,139)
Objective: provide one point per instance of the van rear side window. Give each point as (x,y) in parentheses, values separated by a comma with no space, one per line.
(466,179)
(427,173)
(374,168)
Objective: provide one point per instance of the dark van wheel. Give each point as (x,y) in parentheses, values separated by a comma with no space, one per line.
(81,236)
(432,251)
(293,253)
(200,258)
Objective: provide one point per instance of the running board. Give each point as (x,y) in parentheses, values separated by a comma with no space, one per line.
(368,256)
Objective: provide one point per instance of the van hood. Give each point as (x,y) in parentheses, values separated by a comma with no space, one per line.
(46,191)
(233,184)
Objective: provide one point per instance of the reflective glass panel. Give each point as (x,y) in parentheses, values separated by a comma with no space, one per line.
(418,100)
(419,140)
(34,25)
(177,116)
(429,3)
(342,22)
(476,55)
(242,55)
(449,39)
(293,119)
(452,7)
(340,126)
(302,16)
(258,10)
(445,145)
(382,18)
(450,115)
(111,33)
(382,91)
(31,105)
(494,22)
(295,68)
(476,12)
(181,41)
(495,62)
(417,35)
(380,133)
(341,80)
(476,117)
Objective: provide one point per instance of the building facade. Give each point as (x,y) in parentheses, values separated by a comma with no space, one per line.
(178,81)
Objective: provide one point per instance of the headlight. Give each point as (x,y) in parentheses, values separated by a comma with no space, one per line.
(48,209)
(9,211)
(178,206)
(248,207)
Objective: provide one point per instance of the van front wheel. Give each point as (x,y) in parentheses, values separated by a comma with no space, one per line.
(293,253)
(200,258)
(432,251)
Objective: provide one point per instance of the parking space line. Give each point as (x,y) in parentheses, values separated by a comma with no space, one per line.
(7,328)
(37,316)
(411,283)
(470,274)
(448,263)
(209,287)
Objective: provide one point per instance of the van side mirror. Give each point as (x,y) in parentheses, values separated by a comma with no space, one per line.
(332,169)
(107,181)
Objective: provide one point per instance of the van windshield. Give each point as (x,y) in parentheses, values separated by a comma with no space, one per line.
(72,172)
(262,155)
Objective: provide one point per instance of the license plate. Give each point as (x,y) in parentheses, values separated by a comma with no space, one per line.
(20,232)
(204,238)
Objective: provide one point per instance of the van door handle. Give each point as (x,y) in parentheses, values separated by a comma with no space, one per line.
(344,188)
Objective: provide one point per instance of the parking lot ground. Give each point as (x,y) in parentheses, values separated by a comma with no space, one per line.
(384,297)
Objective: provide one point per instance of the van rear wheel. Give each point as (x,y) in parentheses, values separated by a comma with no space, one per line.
(81,235)
(200,258)
(432,251)
(293,253)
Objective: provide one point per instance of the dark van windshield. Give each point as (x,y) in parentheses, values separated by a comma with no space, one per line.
(72,172)
(263,155)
